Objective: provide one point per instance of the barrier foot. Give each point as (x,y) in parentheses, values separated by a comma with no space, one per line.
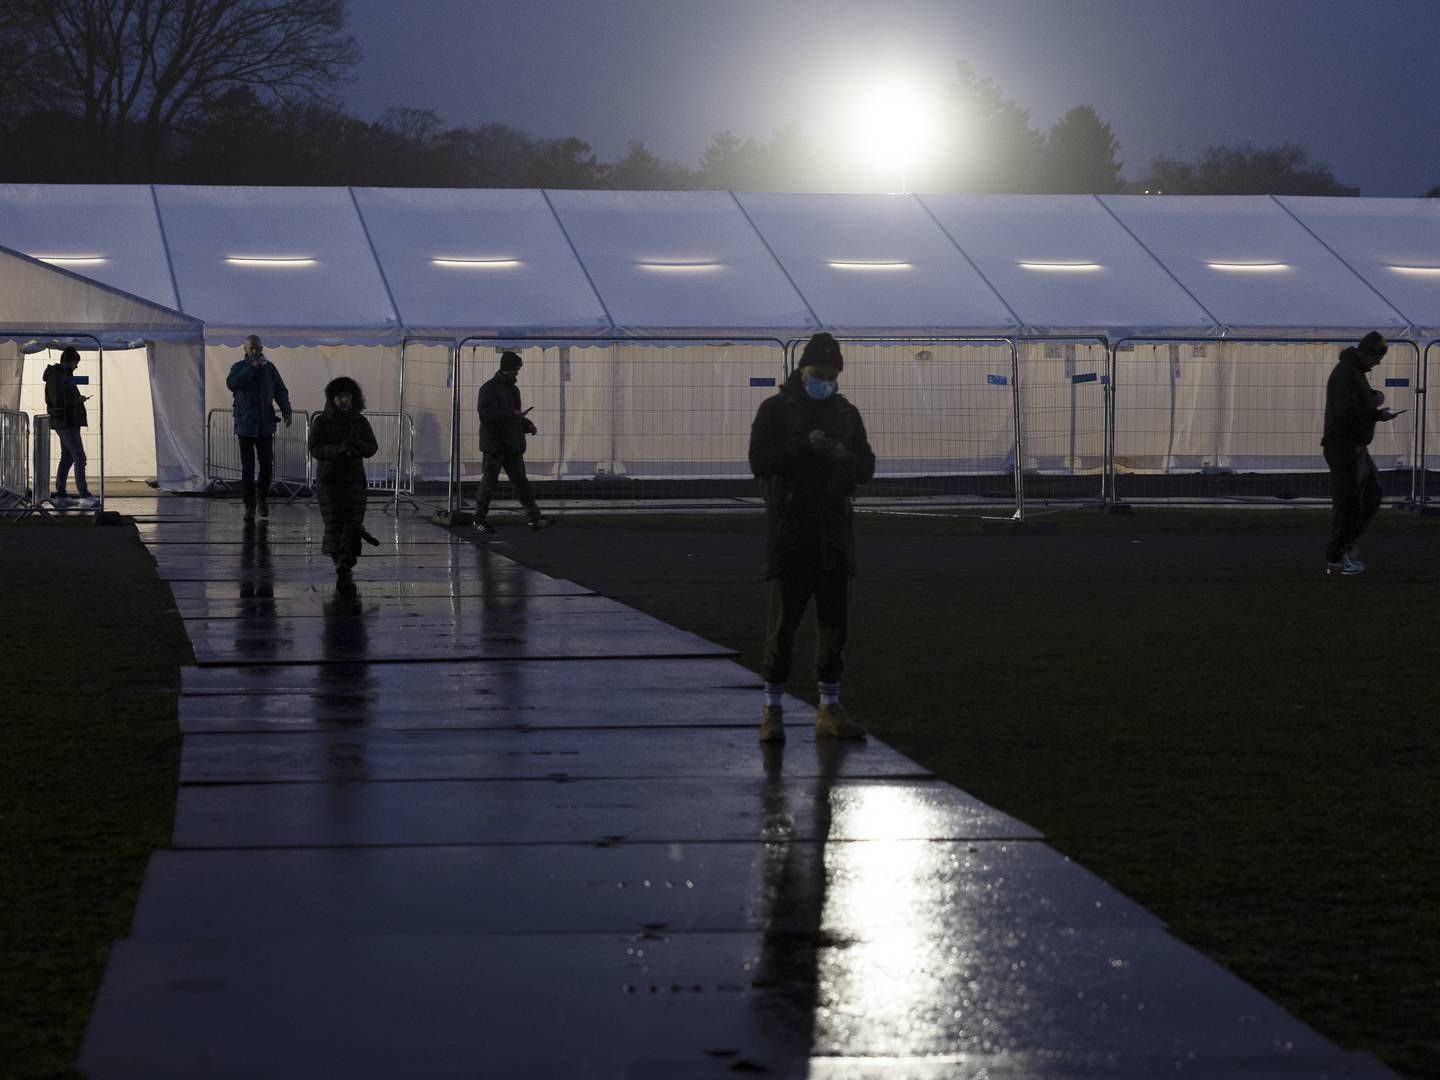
(449,518)
(1119,508)
(1423,509)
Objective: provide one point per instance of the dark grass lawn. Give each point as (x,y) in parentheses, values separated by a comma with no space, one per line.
(89,750)
(1179,699)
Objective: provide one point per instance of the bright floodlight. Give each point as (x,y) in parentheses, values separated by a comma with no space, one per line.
(894,126)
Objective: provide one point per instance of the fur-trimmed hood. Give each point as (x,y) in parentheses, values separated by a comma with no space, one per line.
(344,385)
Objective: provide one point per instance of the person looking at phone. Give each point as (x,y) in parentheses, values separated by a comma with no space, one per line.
(66,407)
(258,389)
(809,450)
(1352,409)
(503,427)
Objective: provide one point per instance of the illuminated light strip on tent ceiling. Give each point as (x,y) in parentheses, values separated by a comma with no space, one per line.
(71,260)
(1417,271)
(1063,267)
(270,260)
(474,264)
(869,264)
(1249,268)
(692,266)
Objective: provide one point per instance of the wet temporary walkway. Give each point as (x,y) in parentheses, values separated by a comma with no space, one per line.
(468,820)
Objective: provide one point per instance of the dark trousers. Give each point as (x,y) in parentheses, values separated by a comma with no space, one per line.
(72,452)
(1355,496)
(514,466)
(262,447)
(789,597)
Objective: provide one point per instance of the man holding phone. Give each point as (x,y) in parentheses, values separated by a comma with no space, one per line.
(503,427)
(1352,409)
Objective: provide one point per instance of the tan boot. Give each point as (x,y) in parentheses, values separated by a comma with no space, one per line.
(772,724)
(832,723)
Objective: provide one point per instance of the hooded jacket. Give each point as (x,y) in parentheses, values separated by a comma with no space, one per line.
(63,400)
(807,492)
(502,428)
(1350,409)
(339,442)
(254,389)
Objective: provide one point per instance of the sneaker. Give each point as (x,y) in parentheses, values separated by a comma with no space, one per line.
(483,529)
(831,722)
(536,524)
(264,509)
(1346,566)
(772,724)
(249,514)
(1352,554)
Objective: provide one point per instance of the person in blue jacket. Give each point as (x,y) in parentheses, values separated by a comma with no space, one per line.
(257,387)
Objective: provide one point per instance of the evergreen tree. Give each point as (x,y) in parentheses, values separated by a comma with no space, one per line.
(1080,155)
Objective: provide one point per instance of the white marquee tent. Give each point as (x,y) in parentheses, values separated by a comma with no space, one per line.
(338,279)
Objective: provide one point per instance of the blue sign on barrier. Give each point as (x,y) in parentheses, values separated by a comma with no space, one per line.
(1104,380)
(998,380)
(1088,376)
(1397,382)
(756,380)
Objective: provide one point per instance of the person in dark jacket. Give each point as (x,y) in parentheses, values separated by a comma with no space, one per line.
(809,449)
(257,387)
(65,406)
(503,427)
(340,439)
(1352,409)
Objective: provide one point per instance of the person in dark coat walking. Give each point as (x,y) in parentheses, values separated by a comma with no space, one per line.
(256,384)
(503,427)
(1352,409)
(809,449)
(340,439)
(65,406)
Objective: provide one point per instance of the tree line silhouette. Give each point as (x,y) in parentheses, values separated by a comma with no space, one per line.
(242,92)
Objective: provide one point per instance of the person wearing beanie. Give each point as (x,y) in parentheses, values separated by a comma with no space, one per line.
(258,387)
(65,406)
(503,427)
(809,450)
(1352,409)
(340,439)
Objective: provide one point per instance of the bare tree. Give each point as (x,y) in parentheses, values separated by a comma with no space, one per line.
(135,69)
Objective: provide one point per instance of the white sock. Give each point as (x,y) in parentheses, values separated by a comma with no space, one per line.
(829,693)
(774,693)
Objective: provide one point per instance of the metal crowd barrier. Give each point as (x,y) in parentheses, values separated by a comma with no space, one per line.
(291,473)
(15,491)
(393,467)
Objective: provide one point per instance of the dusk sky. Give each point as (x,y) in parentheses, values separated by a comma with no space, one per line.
(1357,84)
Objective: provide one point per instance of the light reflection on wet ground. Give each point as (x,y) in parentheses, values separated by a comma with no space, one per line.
(539,839)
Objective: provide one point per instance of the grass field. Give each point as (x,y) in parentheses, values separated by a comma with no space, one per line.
(89,744)
(1179,699)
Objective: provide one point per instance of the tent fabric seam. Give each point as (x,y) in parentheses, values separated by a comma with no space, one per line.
(1409,323)
(375,255)
(1219,326)
(779,263)
(609,318)
(1014,315)
(165,243)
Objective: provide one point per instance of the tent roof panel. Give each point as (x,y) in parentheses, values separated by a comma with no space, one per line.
(292,261)
(112,228)
(679,261)
(875,262)
(1064,264)
(1394,244)
(1252,265)
(478,260)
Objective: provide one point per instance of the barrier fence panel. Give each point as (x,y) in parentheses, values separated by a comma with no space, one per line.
(621,420)
(291,472)
(1237,419)
(940,416)
(1063,386)
(15,491)
(393,463)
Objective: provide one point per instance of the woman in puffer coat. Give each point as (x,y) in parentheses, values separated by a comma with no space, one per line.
(340,437)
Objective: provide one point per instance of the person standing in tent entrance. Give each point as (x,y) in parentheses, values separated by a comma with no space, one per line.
(66,407)
(1352,409)
(340,439)
(809,450)
(256,384)
(503,427)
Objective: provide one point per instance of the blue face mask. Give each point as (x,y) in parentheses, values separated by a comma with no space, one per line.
(819,389)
